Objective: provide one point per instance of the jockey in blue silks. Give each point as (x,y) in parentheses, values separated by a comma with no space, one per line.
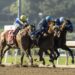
(42,26)
(60,20)
(69,26)
(20,23)
(57,21)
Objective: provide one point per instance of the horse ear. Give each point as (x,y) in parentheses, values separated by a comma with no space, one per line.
(29,27)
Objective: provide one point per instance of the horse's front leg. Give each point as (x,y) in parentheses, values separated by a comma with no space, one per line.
(52,57)
(30,56)
(57,53)
(41,56)
(52,60)
(70,52)
(1,55)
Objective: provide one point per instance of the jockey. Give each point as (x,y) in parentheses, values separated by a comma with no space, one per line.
(43,25)
(20,23)
(69,26)
(57,22)
(61,20)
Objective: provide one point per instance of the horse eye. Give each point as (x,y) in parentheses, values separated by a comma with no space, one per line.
(66,23)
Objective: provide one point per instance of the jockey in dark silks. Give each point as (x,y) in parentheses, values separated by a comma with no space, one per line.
(20,23)
(42,26)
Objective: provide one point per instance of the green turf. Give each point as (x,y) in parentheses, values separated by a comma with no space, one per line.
(11,59)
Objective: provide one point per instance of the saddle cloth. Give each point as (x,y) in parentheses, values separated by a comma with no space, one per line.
(10,37)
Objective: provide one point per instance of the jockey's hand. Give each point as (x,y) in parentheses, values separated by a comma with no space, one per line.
(44,34)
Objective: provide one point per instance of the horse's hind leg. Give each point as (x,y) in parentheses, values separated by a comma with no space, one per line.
(70,52)
(5,49)
(53,64)
(1,54)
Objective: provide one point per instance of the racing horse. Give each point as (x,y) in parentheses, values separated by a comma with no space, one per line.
(22,41)
(46,42)
(65,27)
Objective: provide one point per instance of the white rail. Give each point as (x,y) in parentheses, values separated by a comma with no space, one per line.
(70,44)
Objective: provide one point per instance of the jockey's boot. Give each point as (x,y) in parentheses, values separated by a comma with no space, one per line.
(16,31)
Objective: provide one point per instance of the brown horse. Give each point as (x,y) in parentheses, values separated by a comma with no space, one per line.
(21,41)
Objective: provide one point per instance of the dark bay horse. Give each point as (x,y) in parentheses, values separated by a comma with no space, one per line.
(46,42)
(60,42)
(21,41)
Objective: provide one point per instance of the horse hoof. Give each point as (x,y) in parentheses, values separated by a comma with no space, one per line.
(43,63)
(54,66)
(72,61)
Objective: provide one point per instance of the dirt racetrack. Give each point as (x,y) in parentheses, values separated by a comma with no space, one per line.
(12,70)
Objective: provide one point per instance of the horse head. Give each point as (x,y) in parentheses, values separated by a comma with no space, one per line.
(51,26)
(25,31)
(69,26)
(54,29)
